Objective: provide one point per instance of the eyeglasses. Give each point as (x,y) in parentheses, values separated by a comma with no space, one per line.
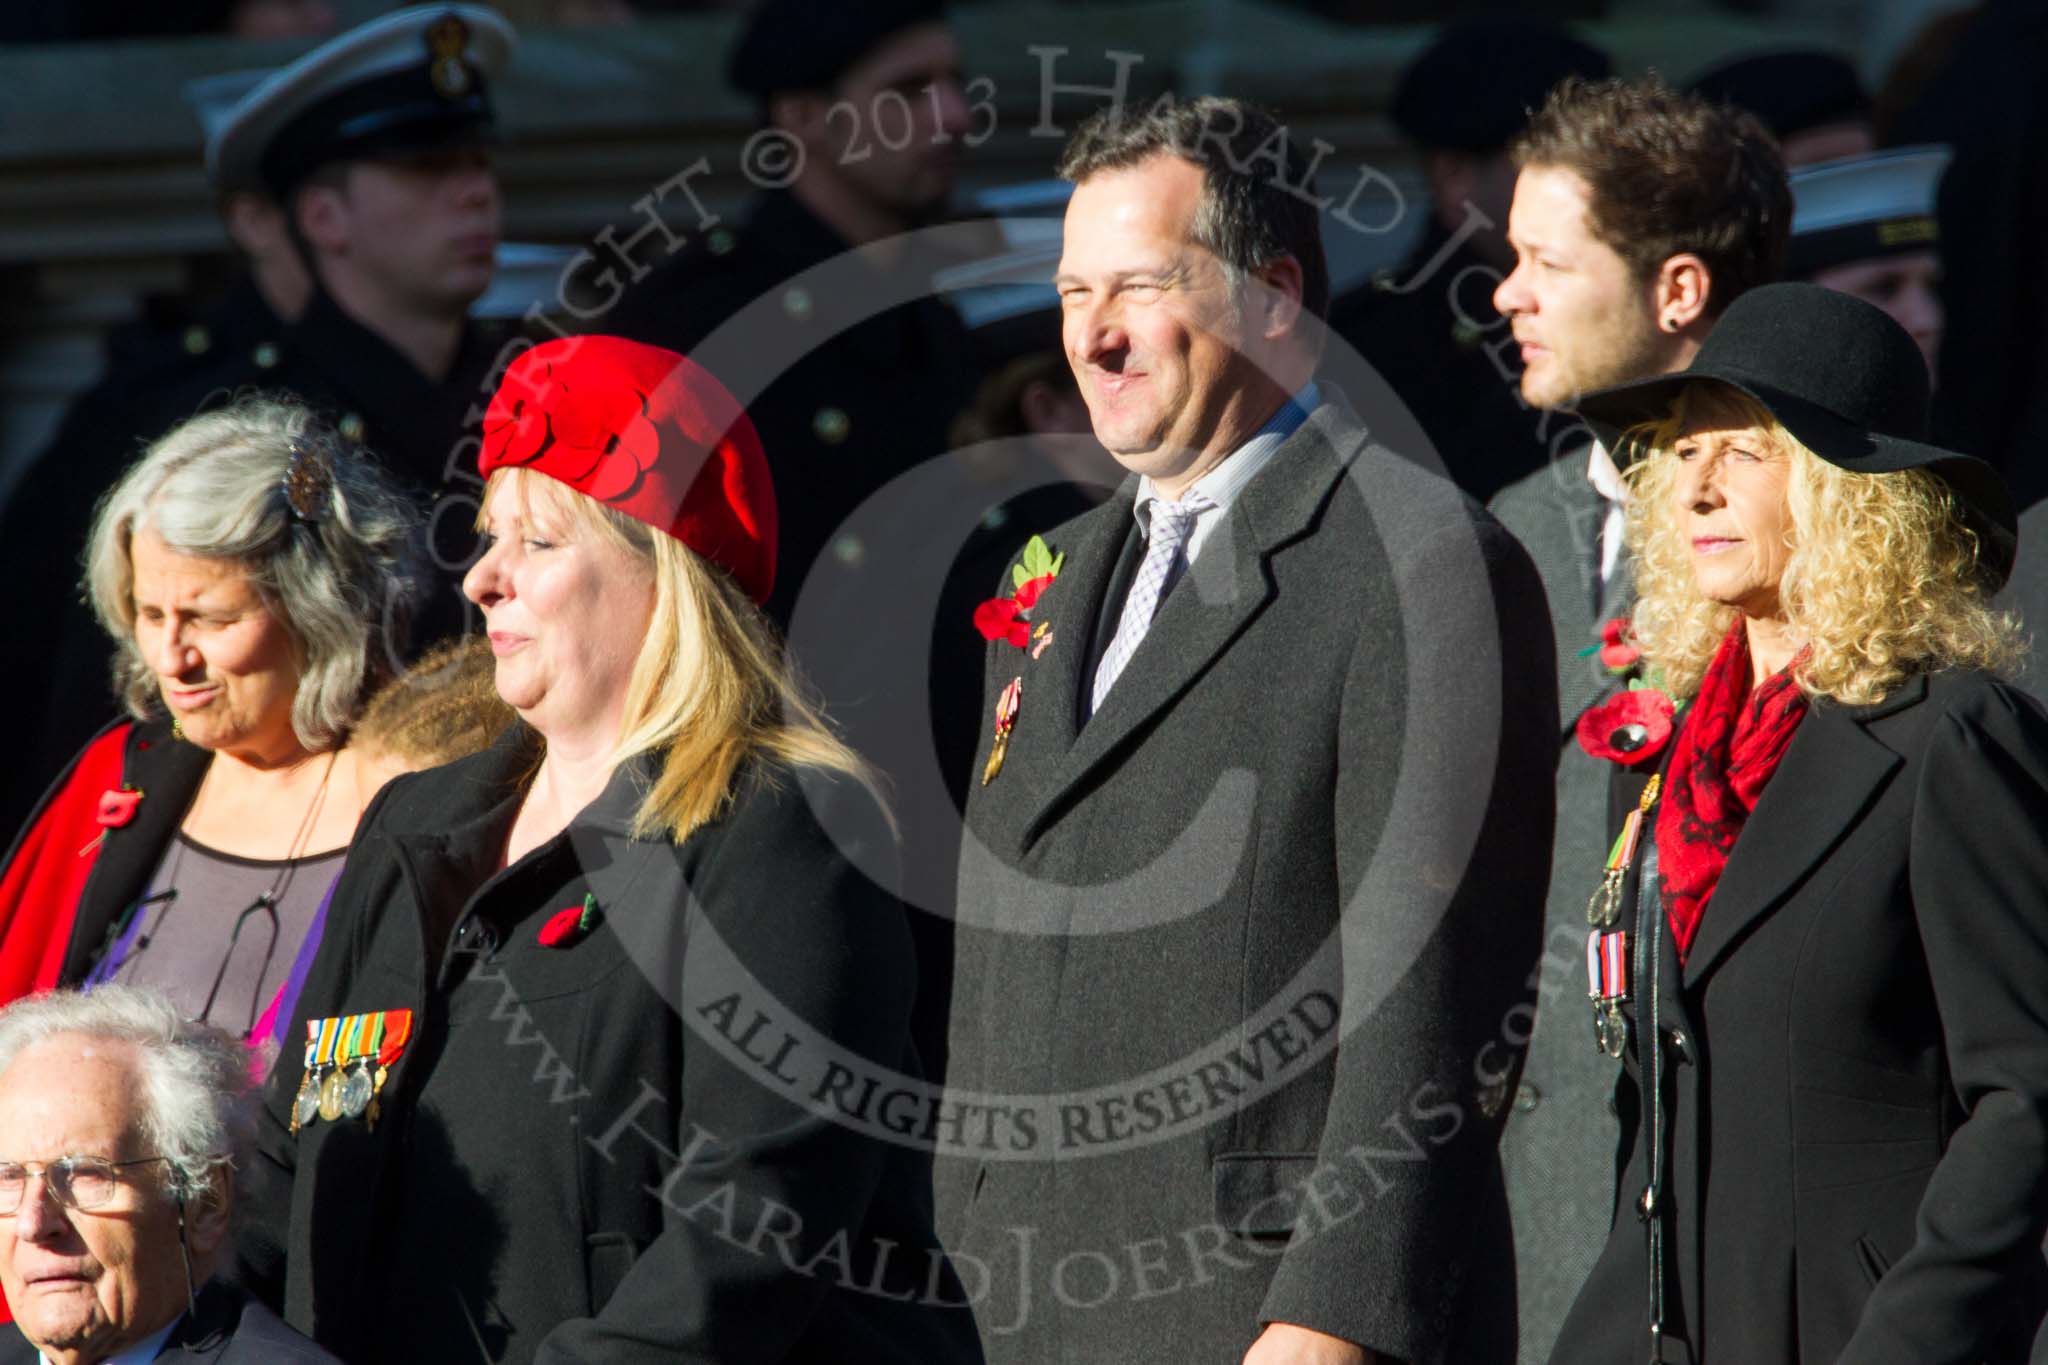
(76,1182)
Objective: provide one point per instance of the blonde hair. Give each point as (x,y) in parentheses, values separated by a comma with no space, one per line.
(1885,578)
(710,686)
(446,706)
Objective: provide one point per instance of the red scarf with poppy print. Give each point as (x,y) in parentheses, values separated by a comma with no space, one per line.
(1726,751)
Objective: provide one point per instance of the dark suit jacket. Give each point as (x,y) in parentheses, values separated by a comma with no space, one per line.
(1558,1150)
(231,1329)
(1325,774)
(1855,1051)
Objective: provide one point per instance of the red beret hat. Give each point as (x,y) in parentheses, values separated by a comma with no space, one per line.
(647,432)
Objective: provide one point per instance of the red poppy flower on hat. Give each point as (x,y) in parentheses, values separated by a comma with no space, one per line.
(648,432)
(1628,728)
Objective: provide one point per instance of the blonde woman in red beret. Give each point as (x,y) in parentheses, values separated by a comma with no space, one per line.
(583,1046)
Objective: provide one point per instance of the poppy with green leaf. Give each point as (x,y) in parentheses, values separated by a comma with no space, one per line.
(1009,618)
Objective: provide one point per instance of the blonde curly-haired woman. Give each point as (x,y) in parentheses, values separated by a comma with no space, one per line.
(1821,946)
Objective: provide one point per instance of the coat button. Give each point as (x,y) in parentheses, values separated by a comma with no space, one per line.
(831,425)
(1681,1043)
(476,934)
(197,340)
(720,241)
(797,303)
(1527,1097)
(265,355)
(351,427)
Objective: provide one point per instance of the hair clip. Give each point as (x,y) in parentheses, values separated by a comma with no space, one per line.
(308,483)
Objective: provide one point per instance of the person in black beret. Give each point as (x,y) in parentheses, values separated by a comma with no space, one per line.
(1813,102)
(867,106)
(1428,326)
(1816,954)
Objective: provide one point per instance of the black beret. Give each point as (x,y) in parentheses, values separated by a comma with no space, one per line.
(806,44)
(1473,89)
(1789,92)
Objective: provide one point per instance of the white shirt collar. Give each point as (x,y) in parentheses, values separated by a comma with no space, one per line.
(141,1353)
(1222,484)
(1602,474)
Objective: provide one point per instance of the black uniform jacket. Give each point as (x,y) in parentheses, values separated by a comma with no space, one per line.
(595,1151)
(1855,1058)
(1322,781)
(230,1329)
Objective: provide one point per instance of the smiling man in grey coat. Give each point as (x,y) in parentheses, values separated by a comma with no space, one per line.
(1254,865)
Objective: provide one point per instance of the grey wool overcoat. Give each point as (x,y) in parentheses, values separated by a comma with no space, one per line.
(1240,955)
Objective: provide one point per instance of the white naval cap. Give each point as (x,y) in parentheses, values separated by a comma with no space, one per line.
(415,78)
(1862,207)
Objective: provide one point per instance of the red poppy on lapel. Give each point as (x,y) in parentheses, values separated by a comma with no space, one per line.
(1617,652)
(117,807)
(1009,618)
(568,926)
(1628,728)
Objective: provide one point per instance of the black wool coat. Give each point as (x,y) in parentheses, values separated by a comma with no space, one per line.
(1323,781)
(168,772)
(623,1147)
(1855,1059)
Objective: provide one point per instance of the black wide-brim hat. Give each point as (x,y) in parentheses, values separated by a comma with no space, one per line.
(1843,378)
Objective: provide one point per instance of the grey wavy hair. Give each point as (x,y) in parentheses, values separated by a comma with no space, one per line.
(198,1102)
(341,581)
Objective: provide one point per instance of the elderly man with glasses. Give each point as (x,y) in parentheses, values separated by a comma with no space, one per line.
(120,1126)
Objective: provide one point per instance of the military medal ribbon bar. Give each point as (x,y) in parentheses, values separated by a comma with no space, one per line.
(1607,947)
(348,1060)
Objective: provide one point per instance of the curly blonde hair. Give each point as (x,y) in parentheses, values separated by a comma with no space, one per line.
(1885,577)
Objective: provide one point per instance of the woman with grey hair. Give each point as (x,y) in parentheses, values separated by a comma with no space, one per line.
(256,577)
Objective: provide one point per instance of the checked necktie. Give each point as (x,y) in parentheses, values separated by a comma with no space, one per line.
(1166,539)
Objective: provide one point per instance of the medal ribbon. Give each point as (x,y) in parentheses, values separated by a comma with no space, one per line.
(1624,851)
(330,1033)
(1607,966)
(397,1028)
(351,1035)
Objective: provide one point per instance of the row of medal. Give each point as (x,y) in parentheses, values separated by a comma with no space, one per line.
(347,1062)
(1607,944)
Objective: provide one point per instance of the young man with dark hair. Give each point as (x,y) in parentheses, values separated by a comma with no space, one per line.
(1250,881)
(1428,326)
(1639,215)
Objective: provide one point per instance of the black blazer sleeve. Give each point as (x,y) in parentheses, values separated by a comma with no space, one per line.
(1979,870)
(1443,866)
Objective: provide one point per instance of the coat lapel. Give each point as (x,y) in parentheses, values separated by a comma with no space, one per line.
(1828,776)
(168,773)
(1225,589)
